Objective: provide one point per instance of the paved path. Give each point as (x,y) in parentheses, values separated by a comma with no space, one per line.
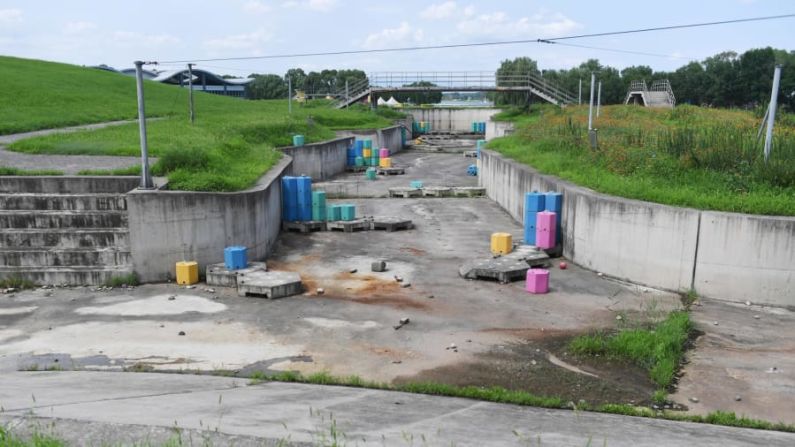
(106,408)
(68,164)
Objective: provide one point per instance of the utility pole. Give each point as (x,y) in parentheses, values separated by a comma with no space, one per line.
(771,116)
(598,99)
(190,93)
(590,107)
(347,94)
(289,95)
(579,94)
(146,178)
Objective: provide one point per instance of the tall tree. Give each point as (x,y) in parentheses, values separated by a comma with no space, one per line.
(268,86)
(510,74)
(426,97)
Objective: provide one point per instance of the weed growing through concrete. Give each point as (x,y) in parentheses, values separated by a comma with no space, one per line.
(16,283)
(658,349)
(5,170)
(130,279)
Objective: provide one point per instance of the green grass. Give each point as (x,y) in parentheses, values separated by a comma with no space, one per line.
(131,170)
(659,349)
(693,157)
(228,148)
(16,283)
(118,281)
(8,439)
(4,170)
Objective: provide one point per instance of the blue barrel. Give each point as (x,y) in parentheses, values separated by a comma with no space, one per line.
(533,203)
(298,140)
(358,148)
(347,212)
(554,202)
(290,198)
(235,257)
(304,186)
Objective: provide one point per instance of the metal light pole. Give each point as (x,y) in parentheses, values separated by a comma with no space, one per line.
(598,98)
(347,94)
(590,107)
(579,93)
(289,95)
(190,93)
(146,178)
(771,117)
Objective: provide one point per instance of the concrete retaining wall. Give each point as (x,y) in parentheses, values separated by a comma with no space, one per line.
(497,129)
(320,161)
(452,120)
(727,256)
(68,184)
(388,137)
(171,226)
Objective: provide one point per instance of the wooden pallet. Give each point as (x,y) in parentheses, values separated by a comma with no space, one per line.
(470,154)
(436,191)
(468,191)
(405,192)
(304,227)
(349,226)
(390,224)
(356,168)
(390,171)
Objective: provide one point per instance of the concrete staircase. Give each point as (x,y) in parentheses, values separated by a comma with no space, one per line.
(64,230)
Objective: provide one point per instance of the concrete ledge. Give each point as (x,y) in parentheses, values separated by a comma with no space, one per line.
(62,184)
(320,161)
(729,256)
(171,226)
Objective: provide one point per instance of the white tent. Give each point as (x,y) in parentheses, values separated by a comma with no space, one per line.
(381,101)
(392,102)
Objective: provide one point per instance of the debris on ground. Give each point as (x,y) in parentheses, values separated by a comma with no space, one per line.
(320,291)
(181,333)
(405,284)
(563,265)
(353,271)
(398,278)
(403,322)
(694,400)
(378,266)
(172,297)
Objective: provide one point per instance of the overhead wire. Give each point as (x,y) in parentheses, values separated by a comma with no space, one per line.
(484,44)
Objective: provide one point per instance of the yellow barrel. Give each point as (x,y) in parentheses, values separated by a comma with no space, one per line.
(385,162)
(187,272)
(367,153)
(501,243)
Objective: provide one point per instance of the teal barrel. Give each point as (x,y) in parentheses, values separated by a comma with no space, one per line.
(359,161)
(318,205)
(348,212)
(298,140)
(333,213)
(416,184)
(368,143)
(370,174)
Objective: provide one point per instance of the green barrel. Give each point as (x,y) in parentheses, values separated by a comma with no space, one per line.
(370,173)
(318,205)
(368,143)
(374,161)
(359,161)
(348,212)
(333,213)
(298,140)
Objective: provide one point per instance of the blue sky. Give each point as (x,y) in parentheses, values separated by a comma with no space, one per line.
(117,32)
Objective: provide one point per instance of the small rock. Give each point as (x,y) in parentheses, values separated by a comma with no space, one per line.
(396,362)
(619,317)
(452,346)
(190,287)
(320,291)
(405,285)
(600,274)
(430,297)
(209,290)
(181,333)
(404,320)
(757,317)
(715,323)
(172,297)
(398,278)
(747,303)
(694,400)
(533,362)
(378,266)
(738,398)
(469,340)
(162,325)
(353,270)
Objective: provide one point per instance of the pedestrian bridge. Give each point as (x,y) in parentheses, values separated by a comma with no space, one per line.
(453,81)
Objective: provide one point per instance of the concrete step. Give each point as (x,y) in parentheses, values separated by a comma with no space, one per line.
(40,258)
(62,219)
(71,202)
(77,276)
(64,238)
(68,184)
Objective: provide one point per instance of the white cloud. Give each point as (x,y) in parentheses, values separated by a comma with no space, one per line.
(10,15)
(313,5)
(499,24)
(246,41)
(151,40)
(256,7)
(79,27)
(390,36)
(439,11)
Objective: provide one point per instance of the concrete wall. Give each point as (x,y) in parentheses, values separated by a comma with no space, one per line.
(727,256)
(388,137)
(320,161)
(497,129)
(452,120)
(171,226)
(68,184)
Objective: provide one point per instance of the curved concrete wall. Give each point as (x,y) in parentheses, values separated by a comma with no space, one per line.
(171,226)
(388,137)
(727,256)
(452,119)
(320,161)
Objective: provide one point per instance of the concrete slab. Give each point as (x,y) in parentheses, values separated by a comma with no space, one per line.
(506,268)
(218,275)
(270,284)
(88,408)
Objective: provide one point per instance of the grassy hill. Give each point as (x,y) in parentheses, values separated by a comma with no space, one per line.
(689,156)
(228,148)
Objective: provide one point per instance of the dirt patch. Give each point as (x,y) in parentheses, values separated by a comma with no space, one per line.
(525,366)
(414,251)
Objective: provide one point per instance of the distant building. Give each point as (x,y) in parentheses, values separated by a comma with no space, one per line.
(203,80)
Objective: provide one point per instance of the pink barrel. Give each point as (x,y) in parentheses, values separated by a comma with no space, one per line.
(383,152)
(537,281)
(545,229)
